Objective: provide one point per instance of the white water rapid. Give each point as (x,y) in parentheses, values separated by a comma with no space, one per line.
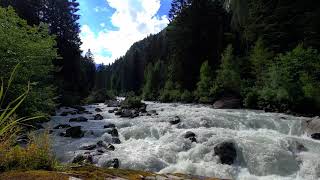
(269,146)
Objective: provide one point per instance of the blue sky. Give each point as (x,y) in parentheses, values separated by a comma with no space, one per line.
(110,27)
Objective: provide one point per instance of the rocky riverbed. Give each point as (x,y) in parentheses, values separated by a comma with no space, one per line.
(189,139)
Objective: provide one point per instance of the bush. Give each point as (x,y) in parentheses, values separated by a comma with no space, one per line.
(132,102)
(170,93)
(203,86)
(99,96)
(292,81)
(36,156)
(187,97)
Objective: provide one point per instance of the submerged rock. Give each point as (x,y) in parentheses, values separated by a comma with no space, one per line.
(79,108)
(98,110)
(98,117)
(112,103)
(78,119)
(109,126)
(62,126)
(88,147)
(111,111)
(116,140)
(226,152)
(74,132)
(175,120)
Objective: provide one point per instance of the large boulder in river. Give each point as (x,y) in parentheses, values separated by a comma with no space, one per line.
(74,132)
(98,117)
(78,119)
(227,152)
(311,126)
(227,103)
(109,126)
(191,136)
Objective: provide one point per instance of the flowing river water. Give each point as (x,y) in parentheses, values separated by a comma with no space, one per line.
(269,145)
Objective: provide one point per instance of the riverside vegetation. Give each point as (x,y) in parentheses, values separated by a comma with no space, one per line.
(252,54)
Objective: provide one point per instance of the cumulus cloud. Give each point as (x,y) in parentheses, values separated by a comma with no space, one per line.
(134,20)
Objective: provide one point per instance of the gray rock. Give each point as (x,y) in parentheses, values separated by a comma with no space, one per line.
(114,163)
(78,119)
(74,132)
(226,152)
(98,117)
(175,120)
(98,110)
(88,147)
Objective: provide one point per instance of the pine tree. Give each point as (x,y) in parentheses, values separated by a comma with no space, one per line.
(228,80)
(205,83)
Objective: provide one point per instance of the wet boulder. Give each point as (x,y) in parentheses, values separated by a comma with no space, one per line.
(175,120)
(78,119)
(98,117)
(74,132)
(113,132)
(83,159)
(227,152)
(111,111)
(88,147)
(315,136)
(109,146)
(114,163)
(62,126)
(108,126)
(191,136)
(126,113)
(98,110)
(116,140)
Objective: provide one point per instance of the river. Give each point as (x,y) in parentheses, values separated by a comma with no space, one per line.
(268,145)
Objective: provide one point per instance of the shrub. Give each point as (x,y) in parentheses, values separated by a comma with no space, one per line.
(99,96)
(132,102)
(187,97)
(203,86)
(36,156)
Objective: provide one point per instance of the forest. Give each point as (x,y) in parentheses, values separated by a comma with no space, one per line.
(266,53)
(261,54)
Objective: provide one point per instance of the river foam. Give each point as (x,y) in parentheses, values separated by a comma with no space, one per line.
(269,145)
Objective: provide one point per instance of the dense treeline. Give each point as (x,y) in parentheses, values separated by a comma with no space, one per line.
(43,37)
(263,52)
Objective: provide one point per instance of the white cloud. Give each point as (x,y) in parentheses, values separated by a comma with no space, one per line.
(135,19)
(102,24)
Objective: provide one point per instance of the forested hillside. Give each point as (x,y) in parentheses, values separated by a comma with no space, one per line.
(263,52)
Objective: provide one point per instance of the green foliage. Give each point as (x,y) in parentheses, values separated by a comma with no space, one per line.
(292,82)
(154,76)
(37,155)
(33,48)
(170,93)
(205,83)
(228,76)
(187,96)
(260,59)
(132,102)
(99,96)
(9,124)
